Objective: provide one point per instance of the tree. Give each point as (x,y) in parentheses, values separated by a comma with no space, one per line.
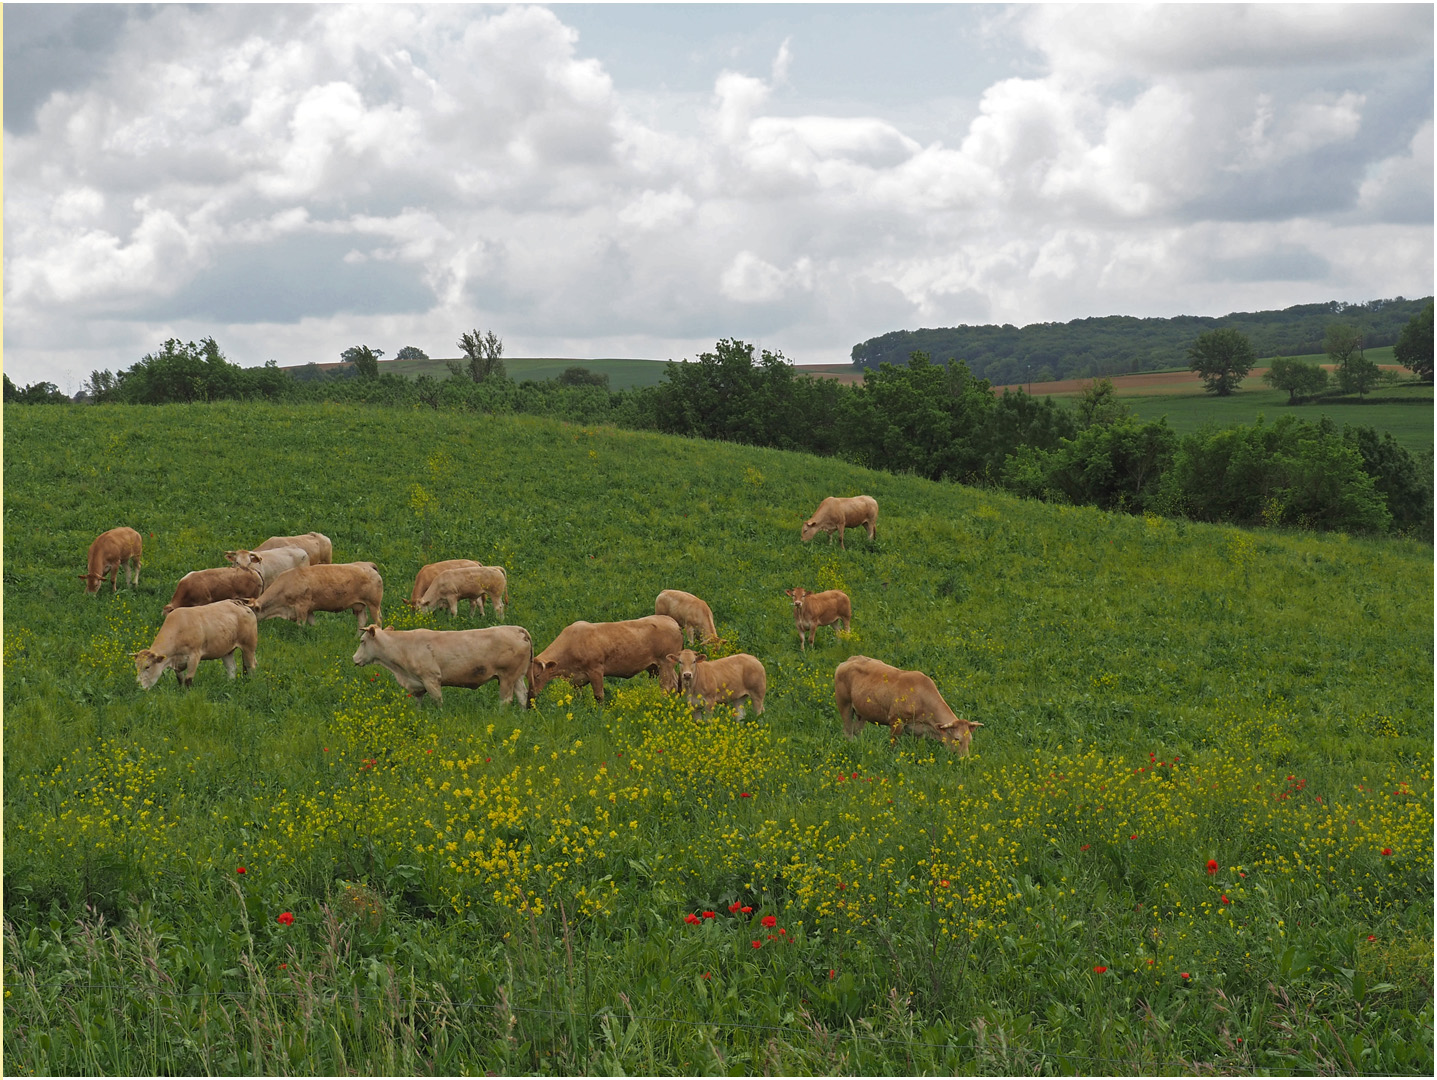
(411,352)
(1414,347)
(1222,359)
(40,393)
(484,353)
(364,359)
(1297,378)
(1099,406)
(1355,373)
(582,376)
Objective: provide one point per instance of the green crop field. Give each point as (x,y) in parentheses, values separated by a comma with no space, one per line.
(1195,833)
(1409,421)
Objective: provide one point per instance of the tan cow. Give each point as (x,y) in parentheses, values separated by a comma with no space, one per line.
(211,586)
(691,613)
(812,610)
(837,514)
(585,652)
(871,691)
(427,574)
(111,550)
(270,563)
(191,634)
(297,594)
(725,681)
(472,583)
(424,660)
(317,545)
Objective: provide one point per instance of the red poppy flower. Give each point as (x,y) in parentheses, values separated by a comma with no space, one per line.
(708,914)
(770,920)
(733,908)
(691,918)
(283,966)
(1371,937)
(746,910)
(832,974)
(1133,837)
(1387,851)
(1184,974)
(781,930)
(285,918)
(1212,866)
(744,795)
(943,883)
(1085,847)
(756,944)
(707,975)
(239,870)
(1225,900)
(1099,968)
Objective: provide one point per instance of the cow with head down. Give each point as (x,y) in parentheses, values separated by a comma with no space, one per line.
(585,652)
(191,634)
(424,660)
(835,514)
(297,594)
(692,614)
(870,691)
(472,583)
(211,586)
(110,550)
(430,571)
(730,680)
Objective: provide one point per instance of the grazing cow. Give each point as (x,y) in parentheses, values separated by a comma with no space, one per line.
(211,586)
(427,574)
(585,652)
(472,583)
(111,550)
(868,690)
(321,551)
(191,634)
(691,613)
(270,563)
(424,660)
(812,610)
(725,681)
(297,594)
(837,514)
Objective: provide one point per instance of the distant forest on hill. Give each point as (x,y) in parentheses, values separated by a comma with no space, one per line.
(1117,344)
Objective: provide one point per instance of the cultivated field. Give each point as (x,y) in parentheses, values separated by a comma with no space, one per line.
(1195,833)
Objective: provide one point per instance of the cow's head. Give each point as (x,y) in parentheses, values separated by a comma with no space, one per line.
(149,666)
(366,653)
(808,530)
(271,606)
(798,594)
(92,582)
(687,662)
(540,676)
(243,558)
(959,735)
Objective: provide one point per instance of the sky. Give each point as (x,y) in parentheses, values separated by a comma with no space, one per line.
(614,180)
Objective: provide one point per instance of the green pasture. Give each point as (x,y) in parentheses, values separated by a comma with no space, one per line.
(1409,421)
(1195,834)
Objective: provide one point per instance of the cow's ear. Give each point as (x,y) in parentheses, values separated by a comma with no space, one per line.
(974,723)
(369,630)
(699,656)
(672,658)
(550,665)
(389,628)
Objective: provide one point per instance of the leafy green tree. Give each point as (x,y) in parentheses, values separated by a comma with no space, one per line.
(1299,379)
(1355,373)
(1222,359)
(364,359)
(411,352)
(582,376)
(40,393)
(483,353)
(1414,347)
(1099,406)
(181,371)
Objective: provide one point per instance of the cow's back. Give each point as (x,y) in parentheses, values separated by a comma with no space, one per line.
(316,544)
(427,573)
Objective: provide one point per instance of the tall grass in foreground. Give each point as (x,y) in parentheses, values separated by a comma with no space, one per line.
(1196,832)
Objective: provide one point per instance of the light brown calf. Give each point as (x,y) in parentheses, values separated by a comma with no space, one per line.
(192,634)
(427,574)
(424,660)
(585,652)
(870,691)
(691,613)
(812,610)
(835,514)
(211,586)
(472,583)
(297,594)
(270,563)
(726,681)
(111,550)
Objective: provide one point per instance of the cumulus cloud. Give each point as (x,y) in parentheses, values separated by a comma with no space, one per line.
(296,179)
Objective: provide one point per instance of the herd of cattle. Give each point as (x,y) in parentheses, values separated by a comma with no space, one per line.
(216,612)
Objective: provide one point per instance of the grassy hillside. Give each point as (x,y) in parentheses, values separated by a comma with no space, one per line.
(622,373)
(475,888)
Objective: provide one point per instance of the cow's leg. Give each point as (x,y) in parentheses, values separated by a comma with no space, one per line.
(229,662)
(840,538)
(115,577)
(872,529)
(498,602)
(477,600)
(595,677)
(138,564)
(247,655)
(192,667)
(431,687)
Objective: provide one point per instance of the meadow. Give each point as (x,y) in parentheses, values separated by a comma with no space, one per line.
(1195,833)
(624,374)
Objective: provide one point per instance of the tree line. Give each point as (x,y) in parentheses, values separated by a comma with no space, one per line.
(938,421)
(1116,344)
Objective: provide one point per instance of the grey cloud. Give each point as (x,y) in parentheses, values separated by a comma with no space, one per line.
(1287,262)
